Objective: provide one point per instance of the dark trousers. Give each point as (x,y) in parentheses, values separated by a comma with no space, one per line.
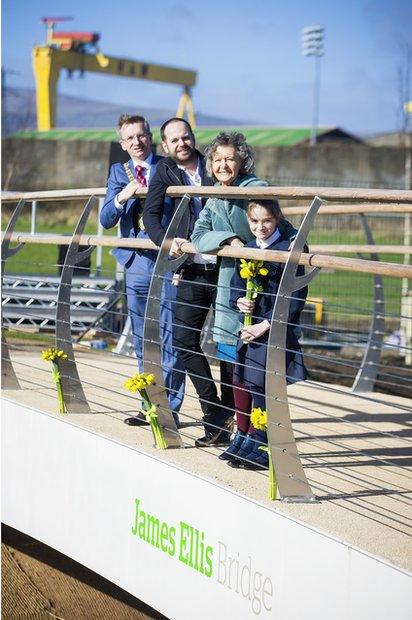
(195,294)
(226,386)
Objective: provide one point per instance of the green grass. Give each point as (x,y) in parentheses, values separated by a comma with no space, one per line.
(353,290)
(43,259)
(25,336)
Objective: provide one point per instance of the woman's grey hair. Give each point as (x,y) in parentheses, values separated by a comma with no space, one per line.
(238,141)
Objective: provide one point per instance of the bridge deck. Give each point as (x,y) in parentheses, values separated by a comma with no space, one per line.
(365,498)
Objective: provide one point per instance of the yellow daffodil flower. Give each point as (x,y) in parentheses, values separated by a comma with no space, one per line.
(53,355)
(249,269)
(259,419)
(252,268)
(139,381)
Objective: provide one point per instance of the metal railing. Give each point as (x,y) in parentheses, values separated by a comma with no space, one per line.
(292,480)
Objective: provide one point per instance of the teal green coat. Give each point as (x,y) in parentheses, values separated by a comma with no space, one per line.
(218,221)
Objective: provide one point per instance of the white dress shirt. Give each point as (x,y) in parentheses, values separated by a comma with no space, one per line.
(195,179)
(265,243)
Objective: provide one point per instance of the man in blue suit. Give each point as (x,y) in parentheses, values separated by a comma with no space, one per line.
(122,205)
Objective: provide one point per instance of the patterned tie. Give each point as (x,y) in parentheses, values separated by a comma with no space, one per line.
(140,176)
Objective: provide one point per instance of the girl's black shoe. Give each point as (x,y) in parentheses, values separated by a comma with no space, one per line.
(234,447)
(250,456)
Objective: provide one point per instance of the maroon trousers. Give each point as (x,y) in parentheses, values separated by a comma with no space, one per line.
(235,396)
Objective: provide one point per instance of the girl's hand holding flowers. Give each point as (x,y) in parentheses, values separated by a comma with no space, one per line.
(249,270)
(246,305)
(254,331)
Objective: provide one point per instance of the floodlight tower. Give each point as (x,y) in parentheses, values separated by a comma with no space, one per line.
(312,45)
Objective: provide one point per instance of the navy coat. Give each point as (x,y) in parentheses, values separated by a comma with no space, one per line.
(253,355)
(168,174)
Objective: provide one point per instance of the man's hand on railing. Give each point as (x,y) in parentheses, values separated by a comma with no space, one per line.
(128,191)
(175,249)
(176,277)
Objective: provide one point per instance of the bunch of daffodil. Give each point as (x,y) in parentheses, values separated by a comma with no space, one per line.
(249,269)
(55,356)
(138,383)
(259,419)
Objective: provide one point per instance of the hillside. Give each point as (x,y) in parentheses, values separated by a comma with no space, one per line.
(19,112)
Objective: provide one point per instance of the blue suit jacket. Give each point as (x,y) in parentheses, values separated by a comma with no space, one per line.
(109,215)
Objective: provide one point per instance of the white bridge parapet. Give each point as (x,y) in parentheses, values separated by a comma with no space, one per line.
(180,542)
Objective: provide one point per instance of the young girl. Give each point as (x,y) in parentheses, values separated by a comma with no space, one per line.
(249,376)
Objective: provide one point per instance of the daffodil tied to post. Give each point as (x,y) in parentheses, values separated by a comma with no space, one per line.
(138,383)
(249,270)
(259,419)
(55,356)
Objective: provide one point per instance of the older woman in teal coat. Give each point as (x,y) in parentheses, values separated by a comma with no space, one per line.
(230,162)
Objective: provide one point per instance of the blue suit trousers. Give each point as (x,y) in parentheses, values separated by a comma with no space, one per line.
(138,275)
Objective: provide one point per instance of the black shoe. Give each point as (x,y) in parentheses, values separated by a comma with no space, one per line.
(234,447)
(254,466)
(216,436)
(137,420)
(250,456)
(238,463)
(234,462)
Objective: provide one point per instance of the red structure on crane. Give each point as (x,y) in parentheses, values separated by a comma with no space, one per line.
(75,41)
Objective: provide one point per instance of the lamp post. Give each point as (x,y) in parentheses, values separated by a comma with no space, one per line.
(312,45)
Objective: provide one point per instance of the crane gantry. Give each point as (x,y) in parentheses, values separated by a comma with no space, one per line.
(79,51)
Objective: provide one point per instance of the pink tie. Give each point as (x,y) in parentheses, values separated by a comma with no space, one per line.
(140,176)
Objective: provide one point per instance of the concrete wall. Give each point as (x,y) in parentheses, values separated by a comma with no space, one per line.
(51,164)
(88,496)
(344,165)
(30,165)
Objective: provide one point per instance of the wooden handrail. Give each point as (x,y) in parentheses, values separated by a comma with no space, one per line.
(311,259)
(327,209)
(45,238)
(299,193)
(296,193)
(57,194)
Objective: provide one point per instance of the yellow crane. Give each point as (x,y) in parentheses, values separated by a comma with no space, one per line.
(72,51)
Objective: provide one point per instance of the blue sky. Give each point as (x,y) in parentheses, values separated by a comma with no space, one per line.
(247,54)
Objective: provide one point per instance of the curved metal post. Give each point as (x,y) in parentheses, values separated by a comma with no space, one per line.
(368,370)
(152,352)
(9,379)
(291,478)
(74,395)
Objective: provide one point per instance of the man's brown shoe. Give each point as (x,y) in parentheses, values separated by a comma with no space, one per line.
(137,420)
(216,436)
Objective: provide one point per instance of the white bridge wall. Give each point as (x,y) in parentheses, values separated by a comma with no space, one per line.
(76,491)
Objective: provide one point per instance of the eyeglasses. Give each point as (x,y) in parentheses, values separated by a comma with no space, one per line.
(142,137)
